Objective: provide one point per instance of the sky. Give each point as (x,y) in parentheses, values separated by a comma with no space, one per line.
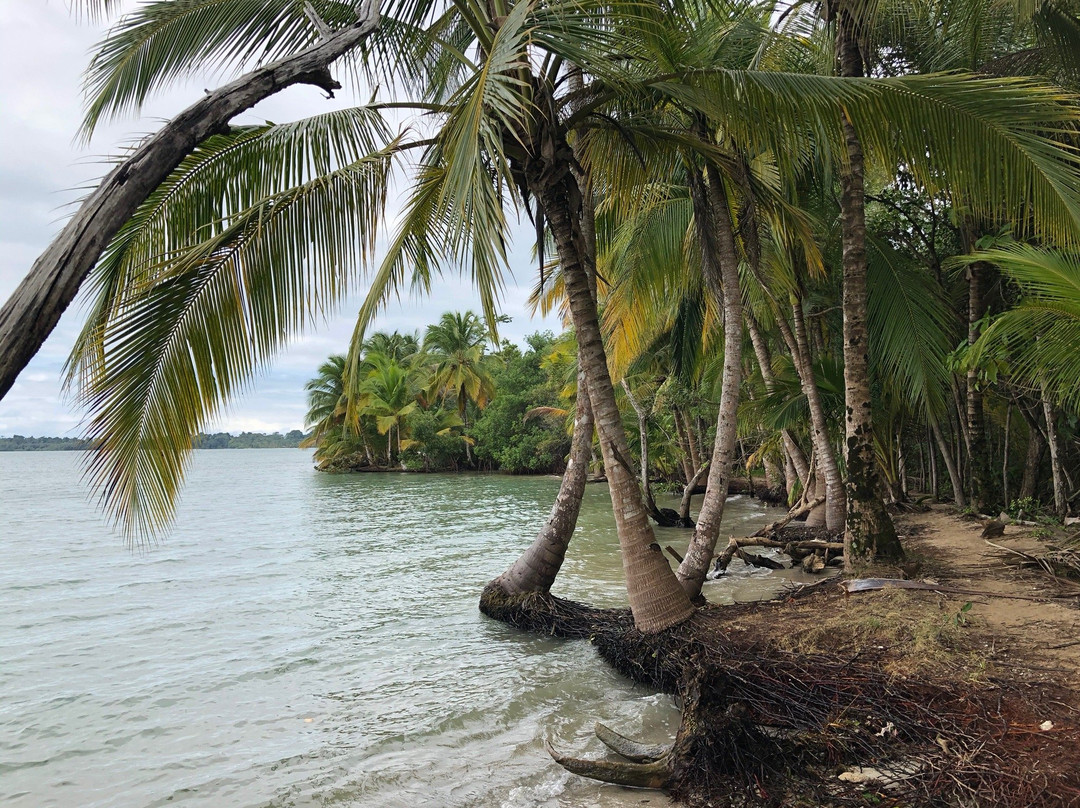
(44,165)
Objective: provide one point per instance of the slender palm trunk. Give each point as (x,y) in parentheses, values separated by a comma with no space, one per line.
(829,482)
(643,440)
(978,450)
(868,531)
(536,568)
(656,599)
(794,456)
(950,466)
(720,264)
(1056,475)
(684,446)
(1036,448)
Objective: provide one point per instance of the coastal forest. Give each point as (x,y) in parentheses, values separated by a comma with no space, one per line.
(829,248)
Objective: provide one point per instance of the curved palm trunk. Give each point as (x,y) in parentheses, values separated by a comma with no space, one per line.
(536,568)
(720,263)
(795,458)
(950,465)
(34,308)
(868,530)
(829,482)
(656,599)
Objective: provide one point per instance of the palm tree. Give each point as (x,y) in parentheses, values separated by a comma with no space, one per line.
(455,346)
(260,229)
(388,394)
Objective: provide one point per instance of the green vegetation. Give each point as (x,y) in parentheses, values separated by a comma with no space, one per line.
(446,404)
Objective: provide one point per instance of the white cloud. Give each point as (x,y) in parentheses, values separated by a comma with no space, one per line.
(43,51)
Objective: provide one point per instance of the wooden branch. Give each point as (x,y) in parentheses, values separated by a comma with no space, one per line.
(794,513)
(674,553)
(33,310)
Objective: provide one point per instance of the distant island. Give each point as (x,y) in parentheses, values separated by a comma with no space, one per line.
(218,440)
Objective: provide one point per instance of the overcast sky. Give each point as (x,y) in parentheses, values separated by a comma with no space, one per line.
(43,51)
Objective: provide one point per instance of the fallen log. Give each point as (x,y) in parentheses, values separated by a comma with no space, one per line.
(801,548)
(794,513)
(875,584)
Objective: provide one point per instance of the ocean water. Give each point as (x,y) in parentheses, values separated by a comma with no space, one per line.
(303,639)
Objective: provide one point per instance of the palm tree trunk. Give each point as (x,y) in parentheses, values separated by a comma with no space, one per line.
(684,446)
(656,599)
(868,530)
(950,466)
(792,451)
(643,440)
(830,484)
(536,568)
(720,265)
(1060,503)
(1036,448)
(978,450)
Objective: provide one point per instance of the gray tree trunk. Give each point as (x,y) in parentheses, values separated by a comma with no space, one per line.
(720,264)
(536,568)
(35,307)
(868,530)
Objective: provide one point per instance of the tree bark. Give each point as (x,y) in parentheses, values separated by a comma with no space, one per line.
(536,568)
(868,530)
(828,470)
(35,307)
(978,449)
(1056,476)
(684,446)
(1036,448)
(656,599)
(720,265)
(643,440)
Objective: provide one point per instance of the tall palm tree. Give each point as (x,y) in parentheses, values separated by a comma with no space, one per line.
(388,394)
(460,372)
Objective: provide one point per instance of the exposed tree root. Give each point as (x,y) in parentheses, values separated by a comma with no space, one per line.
(764,726)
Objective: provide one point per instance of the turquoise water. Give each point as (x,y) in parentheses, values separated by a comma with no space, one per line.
(301,639)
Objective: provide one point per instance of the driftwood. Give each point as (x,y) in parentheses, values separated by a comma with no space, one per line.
(794,513)
(34,308)
(793,548)
(875,584)
(674,553)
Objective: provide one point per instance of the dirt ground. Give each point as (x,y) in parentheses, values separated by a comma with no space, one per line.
(1039,637)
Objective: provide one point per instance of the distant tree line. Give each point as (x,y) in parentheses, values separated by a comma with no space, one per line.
(218,440)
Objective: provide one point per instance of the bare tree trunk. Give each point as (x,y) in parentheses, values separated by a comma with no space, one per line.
(33,310)
(684,446)
(720,265)
(656,598)
(688,497)
(1036,448)
(692,440)
(830,484)
(868,531)
(978,449)
(536,568)
(1060,500)
(950,464)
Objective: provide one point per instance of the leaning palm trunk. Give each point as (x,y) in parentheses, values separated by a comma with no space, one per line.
(536,568)
(720,263)
(868,530)
(34,309)
(829,482)
(656,599)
